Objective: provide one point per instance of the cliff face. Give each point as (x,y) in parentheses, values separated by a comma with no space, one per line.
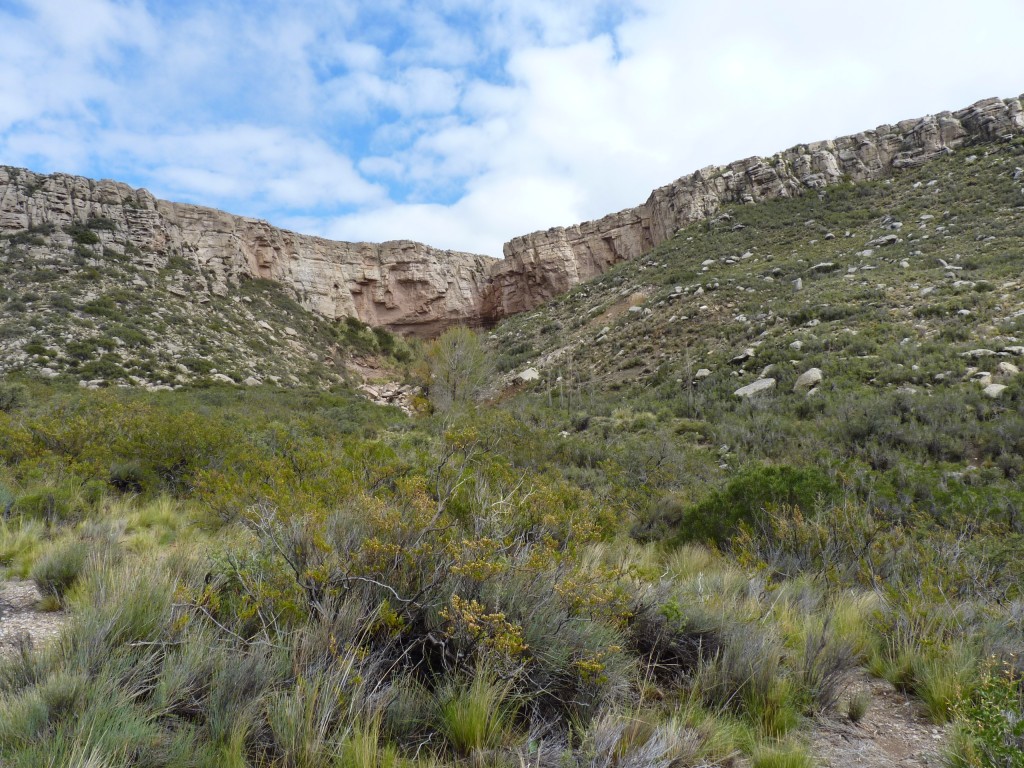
(541,265)
(401,285)
(413,288)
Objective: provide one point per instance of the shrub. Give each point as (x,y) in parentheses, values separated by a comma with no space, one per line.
(82,234)
(990,723)
(12,396)
(743,500)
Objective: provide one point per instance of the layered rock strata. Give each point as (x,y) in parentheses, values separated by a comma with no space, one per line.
(541,265)
(413,288)
(401,285)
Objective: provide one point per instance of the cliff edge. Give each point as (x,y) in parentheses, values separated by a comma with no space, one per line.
(414,288)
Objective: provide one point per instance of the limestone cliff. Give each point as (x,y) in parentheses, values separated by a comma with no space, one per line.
(402,285)
(413,288)
(541,265)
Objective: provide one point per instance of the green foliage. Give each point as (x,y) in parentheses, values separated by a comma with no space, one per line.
(459,368)
(990,723)
(82,234)
(12,396)
(745,497)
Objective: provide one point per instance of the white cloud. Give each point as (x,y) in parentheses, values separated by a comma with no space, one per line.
(268,166)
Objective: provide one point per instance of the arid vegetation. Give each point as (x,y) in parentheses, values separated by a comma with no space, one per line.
(618,563)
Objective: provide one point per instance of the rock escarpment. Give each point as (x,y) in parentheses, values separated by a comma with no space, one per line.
(413,288)
(401,285)
(541,265)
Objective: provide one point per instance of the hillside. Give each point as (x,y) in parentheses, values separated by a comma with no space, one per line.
(415,289)
(591,543)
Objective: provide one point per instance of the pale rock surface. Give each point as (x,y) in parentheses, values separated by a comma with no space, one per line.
(995,391)
(808,380)
(755,388)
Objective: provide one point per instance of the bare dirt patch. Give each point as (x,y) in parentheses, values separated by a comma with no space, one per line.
(895,733)
(20,616)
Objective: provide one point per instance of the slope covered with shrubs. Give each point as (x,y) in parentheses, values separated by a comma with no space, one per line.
(621,563)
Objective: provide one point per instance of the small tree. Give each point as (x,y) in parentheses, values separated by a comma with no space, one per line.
(460,367)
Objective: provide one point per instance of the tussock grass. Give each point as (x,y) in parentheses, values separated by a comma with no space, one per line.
(477,715)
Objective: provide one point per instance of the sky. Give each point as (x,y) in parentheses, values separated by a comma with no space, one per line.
(463,123)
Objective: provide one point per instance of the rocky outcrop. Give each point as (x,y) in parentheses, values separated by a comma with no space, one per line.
(413,288)
(401,285)
(541,265)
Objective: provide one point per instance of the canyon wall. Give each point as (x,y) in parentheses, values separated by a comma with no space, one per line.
(413,288)
(401,285)
(541,265)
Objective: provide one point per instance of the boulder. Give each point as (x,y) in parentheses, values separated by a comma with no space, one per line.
(743,356)
(995,391)
(808,380)
(884,241)
(530,374)
(755,388)
(1008,369)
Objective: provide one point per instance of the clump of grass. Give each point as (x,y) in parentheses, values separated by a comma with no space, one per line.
(362,748)
(477,715)
(639,739)
(945,679)
(58,569)
(784,756)
(20,542)
(857,706)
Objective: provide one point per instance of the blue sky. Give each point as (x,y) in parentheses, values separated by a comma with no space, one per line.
(463,123)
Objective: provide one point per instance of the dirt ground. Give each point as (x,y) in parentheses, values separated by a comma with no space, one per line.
(19,616)
(895,732)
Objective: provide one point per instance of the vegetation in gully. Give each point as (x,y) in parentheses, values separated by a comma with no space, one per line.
(620,562)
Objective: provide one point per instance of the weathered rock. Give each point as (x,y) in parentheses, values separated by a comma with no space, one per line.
(743,356)
(995,391)
(1008,369)
(563,256)
(808,380)
(755,388)
(883,241)
(401,285)
(702,374)
(530,374)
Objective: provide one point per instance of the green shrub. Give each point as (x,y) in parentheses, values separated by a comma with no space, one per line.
(990,724)
(745,497)
(12,396)
(82,234)
(49,504)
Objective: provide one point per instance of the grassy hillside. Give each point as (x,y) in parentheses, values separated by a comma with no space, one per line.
(86,305)
(620,563)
